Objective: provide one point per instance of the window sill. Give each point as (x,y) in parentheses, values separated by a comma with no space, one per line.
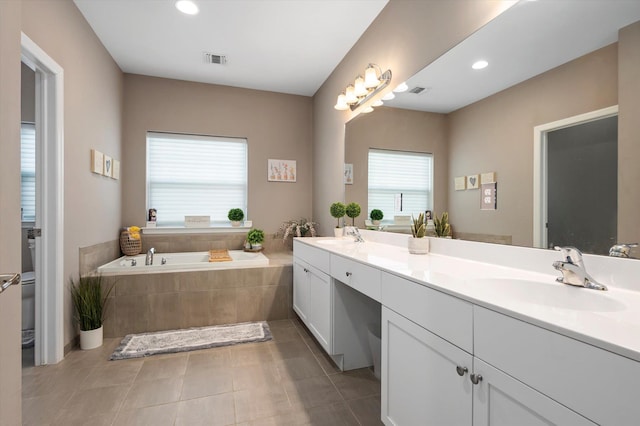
(184,230)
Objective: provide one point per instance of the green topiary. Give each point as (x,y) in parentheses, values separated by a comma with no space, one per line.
(255,236)
(376,214)
(338,210)
(353,210)
(235,215)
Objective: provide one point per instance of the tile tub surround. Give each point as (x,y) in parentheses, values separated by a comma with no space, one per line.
(98,254)
(174,300)
(176,243)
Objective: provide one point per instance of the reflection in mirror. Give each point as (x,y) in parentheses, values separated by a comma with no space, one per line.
(473,122)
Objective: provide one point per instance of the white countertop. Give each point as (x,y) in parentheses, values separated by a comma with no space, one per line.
(606,319)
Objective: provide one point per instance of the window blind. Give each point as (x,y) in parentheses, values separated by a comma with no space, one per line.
(399,172)
(28,171)
(195,175)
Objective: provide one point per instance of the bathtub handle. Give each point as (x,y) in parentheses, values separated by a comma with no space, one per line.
(8,280)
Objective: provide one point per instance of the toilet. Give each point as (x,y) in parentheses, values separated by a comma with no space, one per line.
(29,300)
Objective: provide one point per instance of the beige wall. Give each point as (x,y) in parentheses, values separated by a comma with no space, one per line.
(406,36)
(92,119)
(275,125)
(396,129)
(496,134)
(629,134)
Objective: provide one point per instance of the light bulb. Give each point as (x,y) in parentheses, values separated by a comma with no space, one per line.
(368,109)
(187,6)
(402,87)
(388,96)
(377,103)
(359,89)
(341,105)
(371,77)
(351,98)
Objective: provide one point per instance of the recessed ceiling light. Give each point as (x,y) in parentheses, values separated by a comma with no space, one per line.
(479,65)
(187,6)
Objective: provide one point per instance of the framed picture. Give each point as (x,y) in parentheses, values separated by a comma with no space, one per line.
(281,170)
(97,161)
(473,182)
(108,166)
(116,170)
(348,174)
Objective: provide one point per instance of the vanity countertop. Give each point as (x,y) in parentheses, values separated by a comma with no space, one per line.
(606,319)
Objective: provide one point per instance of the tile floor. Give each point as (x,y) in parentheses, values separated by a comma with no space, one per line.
(287,381)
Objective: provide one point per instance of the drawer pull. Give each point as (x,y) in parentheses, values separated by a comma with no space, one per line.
(461,370)
(306,270)
(349,274)
(475,378)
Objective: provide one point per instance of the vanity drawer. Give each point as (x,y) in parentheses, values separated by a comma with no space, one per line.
(316,257)
(362,278)
(446,316)
(598,384)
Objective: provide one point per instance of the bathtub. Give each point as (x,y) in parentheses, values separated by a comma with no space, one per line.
(175,262)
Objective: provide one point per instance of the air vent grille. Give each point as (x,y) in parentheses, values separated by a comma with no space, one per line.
(212,58)
(417,90)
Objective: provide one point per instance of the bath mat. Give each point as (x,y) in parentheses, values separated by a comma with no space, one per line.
(164,342)
(219,255)
(28,338)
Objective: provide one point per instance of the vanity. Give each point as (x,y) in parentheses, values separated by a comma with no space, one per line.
(475,333)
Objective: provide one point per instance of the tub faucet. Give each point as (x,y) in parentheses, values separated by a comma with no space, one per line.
(149,259)
(573,270)
(353,231)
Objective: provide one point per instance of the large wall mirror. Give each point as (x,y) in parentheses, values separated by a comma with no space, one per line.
(550,63)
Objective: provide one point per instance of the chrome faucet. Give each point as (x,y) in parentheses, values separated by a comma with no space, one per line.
(573,270)
(622,250)
(353,232)
(149,259)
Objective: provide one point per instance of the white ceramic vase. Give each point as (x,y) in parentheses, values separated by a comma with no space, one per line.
(418,245)
(337,232)
(235,223)
(90,339)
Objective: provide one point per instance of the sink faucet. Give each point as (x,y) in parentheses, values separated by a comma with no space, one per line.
(353,231)
(622,250)
(573,270)
(149,259)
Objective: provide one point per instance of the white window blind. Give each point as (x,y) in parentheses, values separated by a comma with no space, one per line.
(28,171)
(392,173)
(195,175)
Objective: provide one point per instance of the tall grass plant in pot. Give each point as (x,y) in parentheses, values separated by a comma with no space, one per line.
(89,298)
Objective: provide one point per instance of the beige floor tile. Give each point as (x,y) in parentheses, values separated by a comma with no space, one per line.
(312,392)
(299,368)
(328,366)
(256,403)
(290,349)
(153,392)
(49,380)
(116,373)
(285,333)
(199,361)
(155,368)
(255,376)
(366,410)
(356,383)
(252,353)
(71,418)
(158,415)
(94,402)
(208,382)
(212,410)
(43,409)
(337,414)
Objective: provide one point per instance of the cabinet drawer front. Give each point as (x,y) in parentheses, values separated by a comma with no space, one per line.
(598,384)
(313,256)
(446,316)
(362,278)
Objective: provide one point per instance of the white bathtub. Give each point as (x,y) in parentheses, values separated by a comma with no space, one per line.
(190,261)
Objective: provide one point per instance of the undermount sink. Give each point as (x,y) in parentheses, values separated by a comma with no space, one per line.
(336,242)
(554,295)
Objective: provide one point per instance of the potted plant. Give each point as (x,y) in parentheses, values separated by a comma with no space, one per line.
(443,228)
(338,211)
(353,210)
(255,238)
(235,216)
(89,297)
(297,228)
(418,244)
(376,216)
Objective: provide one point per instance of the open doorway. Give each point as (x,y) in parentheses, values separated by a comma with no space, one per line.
(576,182)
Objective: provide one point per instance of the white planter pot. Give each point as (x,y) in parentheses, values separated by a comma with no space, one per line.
(418,245)
(91,339)
(338,232)
(375,222)
(235,223)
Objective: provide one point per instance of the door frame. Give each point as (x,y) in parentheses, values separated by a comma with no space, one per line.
(540,206)
(49,332)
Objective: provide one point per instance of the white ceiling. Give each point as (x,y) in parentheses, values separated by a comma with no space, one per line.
(524,41)
(287,46)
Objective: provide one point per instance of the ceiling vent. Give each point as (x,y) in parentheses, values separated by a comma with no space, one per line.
(417,90)
(212,58)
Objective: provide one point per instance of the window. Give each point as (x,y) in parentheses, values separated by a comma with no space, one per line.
(28,171)
(195,175)
(400,182)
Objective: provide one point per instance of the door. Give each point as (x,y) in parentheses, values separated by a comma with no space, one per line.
(424,381)
(320,307)
(501,400)
(300,289)
(582,186)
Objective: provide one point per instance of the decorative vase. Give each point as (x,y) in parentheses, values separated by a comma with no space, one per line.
(90,339)
(338,232)
(235,223)
(418,245)
(256,247)
(375,222)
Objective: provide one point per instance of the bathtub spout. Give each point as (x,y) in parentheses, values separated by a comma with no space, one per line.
(149,259)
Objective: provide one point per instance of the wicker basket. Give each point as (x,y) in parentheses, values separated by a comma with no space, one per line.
(129,246)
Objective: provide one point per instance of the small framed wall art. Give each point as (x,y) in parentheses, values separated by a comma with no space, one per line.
(97,160)
(473,182)
(348,174)
(116,170)
(108,166)
(281,170)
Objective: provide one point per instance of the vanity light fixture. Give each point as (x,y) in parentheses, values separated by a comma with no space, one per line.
(402,87)
(389,96)
(479,65)
(187,7)
(377,103)
(363,88)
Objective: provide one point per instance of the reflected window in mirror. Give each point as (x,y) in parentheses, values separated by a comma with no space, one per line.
(400,183)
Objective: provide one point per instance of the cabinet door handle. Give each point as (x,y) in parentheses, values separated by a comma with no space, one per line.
(306,270)
(349,274)
(475,378)
(461,370)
